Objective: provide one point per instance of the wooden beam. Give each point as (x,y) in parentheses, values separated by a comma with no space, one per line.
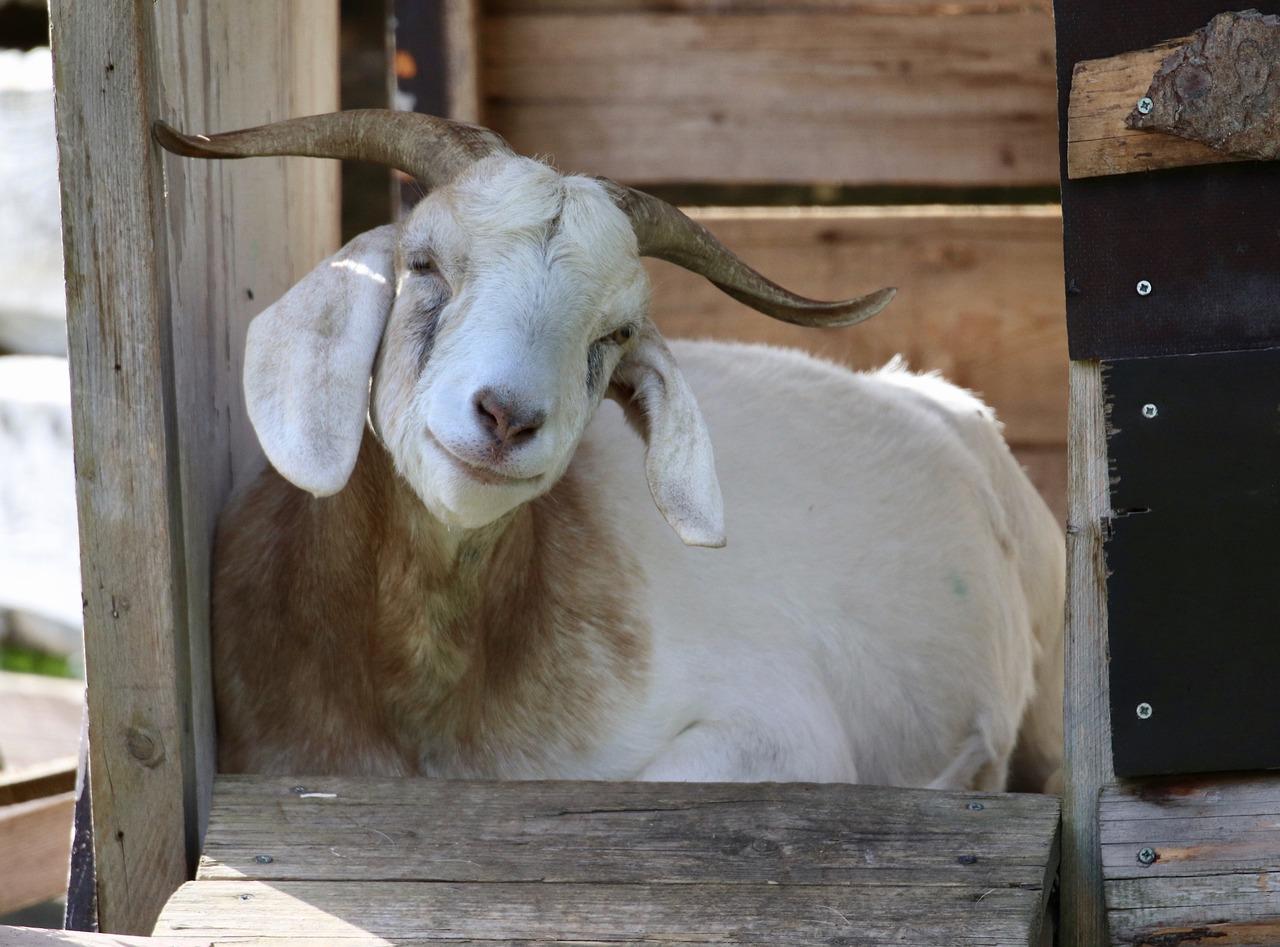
(770,92)
(1104,92)
(1193,860)
(1088,717)
(50,778)
(36,937)
(462,61)
(157,301)
(35,837)
(360,861)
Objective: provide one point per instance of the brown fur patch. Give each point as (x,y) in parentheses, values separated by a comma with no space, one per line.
(347,642)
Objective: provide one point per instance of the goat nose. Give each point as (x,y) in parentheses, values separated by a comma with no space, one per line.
(505,418)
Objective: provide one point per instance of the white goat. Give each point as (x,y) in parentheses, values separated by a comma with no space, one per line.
(471,583)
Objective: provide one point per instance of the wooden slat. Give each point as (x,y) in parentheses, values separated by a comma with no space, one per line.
(860,93)
(363,829)
(342,860)
(35,842)
(126,460)
(980,296)
(1103,93)
(1088,716)
(157,302)
(50,778)
(239,236)
(40,718)
(1215,877)
(462,60)
(36,937)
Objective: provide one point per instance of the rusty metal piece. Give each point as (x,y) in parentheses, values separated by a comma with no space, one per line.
(1221,88)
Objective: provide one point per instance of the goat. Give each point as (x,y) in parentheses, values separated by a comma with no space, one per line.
(452,571)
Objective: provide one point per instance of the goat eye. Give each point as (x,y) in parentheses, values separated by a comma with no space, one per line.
(423,265)
(619,336)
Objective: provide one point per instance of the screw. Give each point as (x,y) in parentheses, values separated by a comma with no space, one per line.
(263,859)
(1146,856)
(1144,711)
(246,897)
(975,807)
(299,789)
(1149,411)
(1144,288)
(1145,105)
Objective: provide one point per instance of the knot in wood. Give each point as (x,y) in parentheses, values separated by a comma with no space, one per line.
(144,746)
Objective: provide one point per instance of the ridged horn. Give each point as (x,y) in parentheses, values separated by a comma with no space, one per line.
(433,150)
(665,233)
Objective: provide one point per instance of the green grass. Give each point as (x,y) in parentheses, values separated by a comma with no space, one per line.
(33,662)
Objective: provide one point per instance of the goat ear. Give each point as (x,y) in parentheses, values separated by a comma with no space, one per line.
(308,360)
(679,462)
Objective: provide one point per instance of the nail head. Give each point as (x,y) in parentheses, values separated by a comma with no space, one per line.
(1145,711)
(1144,287)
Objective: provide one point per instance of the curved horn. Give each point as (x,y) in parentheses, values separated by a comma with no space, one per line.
(431,149)
(662,231)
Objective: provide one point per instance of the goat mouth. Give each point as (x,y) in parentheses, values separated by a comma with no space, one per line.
(485,475)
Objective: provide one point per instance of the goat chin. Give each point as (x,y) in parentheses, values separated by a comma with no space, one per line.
(888,608)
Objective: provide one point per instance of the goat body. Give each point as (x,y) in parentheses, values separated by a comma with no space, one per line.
(888,609)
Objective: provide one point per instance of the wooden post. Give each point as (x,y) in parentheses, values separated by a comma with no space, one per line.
(1088,713)
(157,297)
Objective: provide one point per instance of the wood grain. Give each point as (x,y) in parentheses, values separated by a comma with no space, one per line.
(1215,878)
(766,92)
(35,937)
(462,61)
(127,483)
(980,296)
(347,860)
(1103,94)
(35,837)
(158,298)
(39,781)
(1088,717)
(239,235)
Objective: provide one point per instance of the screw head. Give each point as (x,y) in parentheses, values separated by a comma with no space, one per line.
(1149,411)
(975,807)
(1144,711)
(299,789)
(1146,856)
(1145,105)
(263,859)
(246,897)
(1144,287)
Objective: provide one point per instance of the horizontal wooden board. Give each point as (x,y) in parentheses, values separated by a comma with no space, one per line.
(620,833)
(1103,93)
(1211,872)
(980,296)
(846,91)
(35,851)
(353,861)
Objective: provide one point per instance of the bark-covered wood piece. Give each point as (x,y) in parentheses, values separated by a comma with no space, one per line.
(1221,88)
(318,860)
(1193,860)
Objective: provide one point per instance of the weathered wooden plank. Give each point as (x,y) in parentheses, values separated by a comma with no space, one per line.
(38,781)
(462,60)
(1103,94)
(35,837)
(790,834)
(36,937)
(239,236)
(861,93)
(980,296)
(160,432)
(1193,860)
(905,7)
(126,453)
(302,913)
(1088,717)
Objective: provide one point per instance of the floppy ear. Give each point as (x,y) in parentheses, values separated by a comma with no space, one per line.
(679,461)
(308,359)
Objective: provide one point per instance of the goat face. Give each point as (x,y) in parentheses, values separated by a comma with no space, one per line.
(518,292)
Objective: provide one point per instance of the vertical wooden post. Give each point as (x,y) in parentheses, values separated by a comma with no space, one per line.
(158,296)
(462,60)
(1087,710)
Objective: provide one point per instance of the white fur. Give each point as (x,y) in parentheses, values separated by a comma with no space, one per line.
(890,600)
